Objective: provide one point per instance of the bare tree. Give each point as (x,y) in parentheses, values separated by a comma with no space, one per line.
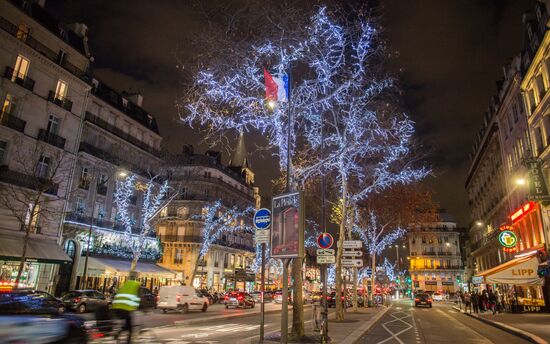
(30,189)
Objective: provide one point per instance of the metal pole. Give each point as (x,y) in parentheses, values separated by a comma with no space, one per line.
(397,251)
(262,293)
(324,304)
(289,129)
(324,269)
(284,311)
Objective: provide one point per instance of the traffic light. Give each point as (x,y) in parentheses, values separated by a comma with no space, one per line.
(409,280)
(397,280)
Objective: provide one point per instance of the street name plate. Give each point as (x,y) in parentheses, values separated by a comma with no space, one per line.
(326,259)
(262,236)
(352,253)
(353,244)
(325,252)
(350,263)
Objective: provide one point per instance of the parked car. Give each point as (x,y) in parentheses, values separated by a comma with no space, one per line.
(331,300)
(438,297)
(209,296)
(84,300)
(181,298)
(148,299)
(278,296)
(422,299)
(316,296)
(239,299)
(27,315)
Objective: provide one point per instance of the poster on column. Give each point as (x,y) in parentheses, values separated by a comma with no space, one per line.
(287,231)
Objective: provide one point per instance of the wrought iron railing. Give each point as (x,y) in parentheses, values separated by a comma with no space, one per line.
(27,181)
(60,101)
(51,138)
(12,122)
(19,78)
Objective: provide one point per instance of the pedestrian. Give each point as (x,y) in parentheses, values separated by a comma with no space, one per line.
(476,301)
(498,298)
(467,302)
(484,300)
(492,301)
(112,290)
(125,302)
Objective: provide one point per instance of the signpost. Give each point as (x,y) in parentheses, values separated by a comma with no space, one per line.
(325,252)
(353,244)
(326,259)
(352,263)
(262,221)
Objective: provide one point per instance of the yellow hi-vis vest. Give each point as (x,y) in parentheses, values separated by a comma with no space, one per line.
(127,297)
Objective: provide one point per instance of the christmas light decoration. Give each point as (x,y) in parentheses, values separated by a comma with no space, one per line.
(377,237)
(390,269)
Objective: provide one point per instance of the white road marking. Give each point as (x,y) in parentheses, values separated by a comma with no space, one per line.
(194,335)
(399,320)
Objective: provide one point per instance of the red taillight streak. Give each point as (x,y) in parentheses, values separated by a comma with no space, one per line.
(178,298)
(239,297)
(416,299)
(76,299)
(429,300)
(226,297)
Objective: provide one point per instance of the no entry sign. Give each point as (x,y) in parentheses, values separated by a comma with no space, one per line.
(325,240)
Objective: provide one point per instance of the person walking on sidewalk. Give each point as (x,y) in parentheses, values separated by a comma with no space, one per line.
(498,297)
(476,300)
(492,301)
(467,302)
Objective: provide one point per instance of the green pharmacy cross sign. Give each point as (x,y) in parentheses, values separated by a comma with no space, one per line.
(507,239)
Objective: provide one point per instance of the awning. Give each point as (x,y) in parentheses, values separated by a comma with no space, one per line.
(106,266)
(519,271)
(39,250)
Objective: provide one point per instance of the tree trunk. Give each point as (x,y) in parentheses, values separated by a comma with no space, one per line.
(341,236)
(298,330)
(24,253)
(373,267)
(132,273)
(195,268)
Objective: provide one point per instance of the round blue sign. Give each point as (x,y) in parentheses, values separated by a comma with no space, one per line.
(325,240)
(262,218)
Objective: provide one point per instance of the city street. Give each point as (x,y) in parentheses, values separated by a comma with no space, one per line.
(405,324)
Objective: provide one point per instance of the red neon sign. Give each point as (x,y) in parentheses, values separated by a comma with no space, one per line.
(521,212)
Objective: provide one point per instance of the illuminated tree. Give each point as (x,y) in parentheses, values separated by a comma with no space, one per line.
(153,196)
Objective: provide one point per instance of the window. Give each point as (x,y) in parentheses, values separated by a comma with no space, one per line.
(178,257)
(79,206)
(103,179)
(540,87)
(164,212)
(84,181)
(61,89)
(43,166)
(53,125)
(22,32)
(21,68)
(530,99)
(3,147)
(99,210)
(10,105)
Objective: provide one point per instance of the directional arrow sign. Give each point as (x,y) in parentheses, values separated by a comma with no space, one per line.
(353,244)
(325,252)
(326,259)
(350,263)
(352,253)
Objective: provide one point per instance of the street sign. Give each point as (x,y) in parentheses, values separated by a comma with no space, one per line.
(353,244)
(325,240)
(262,218)
(352,253)
(325,252)
(262,236)
(368,272)
(350,263)
(326,259)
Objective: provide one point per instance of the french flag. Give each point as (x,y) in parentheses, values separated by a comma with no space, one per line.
(276,89)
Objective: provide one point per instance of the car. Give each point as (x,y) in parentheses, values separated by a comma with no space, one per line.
(331,300)
(438,297)
(181,298)
(148,299)
(239,299)
(27,314)
(422,299)
(278,296)
(84,300)
(209,296)
(316,296)
(307,295)
(257,296)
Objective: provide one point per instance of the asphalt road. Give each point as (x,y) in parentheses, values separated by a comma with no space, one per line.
(405,324)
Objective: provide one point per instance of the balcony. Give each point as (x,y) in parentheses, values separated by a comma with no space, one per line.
(118,132)
(26,181)
(18,78)
(85,220)
(60,101)
(448,267)
(101,189)
(12,122)
(51,138)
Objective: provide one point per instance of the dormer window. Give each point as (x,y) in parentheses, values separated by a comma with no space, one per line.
(22,32)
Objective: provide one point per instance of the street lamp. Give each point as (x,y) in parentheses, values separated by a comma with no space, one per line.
(479,223)
(520,181)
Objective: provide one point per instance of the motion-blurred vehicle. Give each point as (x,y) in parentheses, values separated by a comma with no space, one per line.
(331,300)
(257,296)
(422,299)
(181,298)
(31,316)
(209,296)
(84,300)
(239,299)
(316,296)
(278,296)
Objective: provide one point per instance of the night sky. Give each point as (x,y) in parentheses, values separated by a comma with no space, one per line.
(451,54)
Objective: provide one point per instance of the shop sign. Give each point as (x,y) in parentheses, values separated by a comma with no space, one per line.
(507,239)
(430,282)
(537,185)
(287,232)
(477,280)
(447,283)
(522,211)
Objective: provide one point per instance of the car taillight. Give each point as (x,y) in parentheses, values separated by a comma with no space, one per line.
(76,300)
(239,297)
(178,298)
(226,297)
(158,298)
(417,299)
(328,297)
(429,300)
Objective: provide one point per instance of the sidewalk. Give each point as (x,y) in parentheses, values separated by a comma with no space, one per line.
(346,332)
(532,326)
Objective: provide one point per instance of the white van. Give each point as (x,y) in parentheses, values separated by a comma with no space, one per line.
(182,298)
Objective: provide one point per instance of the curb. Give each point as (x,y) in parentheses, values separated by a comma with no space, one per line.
(357,334)
(510,329)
